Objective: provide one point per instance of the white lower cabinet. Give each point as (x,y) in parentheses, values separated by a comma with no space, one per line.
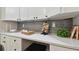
(10,43)
(60,48)
(3,42)
(16,44)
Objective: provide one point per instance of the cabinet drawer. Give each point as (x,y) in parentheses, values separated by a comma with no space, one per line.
(59,48)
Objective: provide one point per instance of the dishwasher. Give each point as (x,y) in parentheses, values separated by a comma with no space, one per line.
(36,47)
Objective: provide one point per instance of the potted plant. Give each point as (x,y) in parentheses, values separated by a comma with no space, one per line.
(63,32)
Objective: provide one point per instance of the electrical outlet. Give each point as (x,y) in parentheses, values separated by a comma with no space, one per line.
(53,24)
(23,25)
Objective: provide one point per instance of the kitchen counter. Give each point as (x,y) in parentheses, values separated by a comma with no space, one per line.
(49,39)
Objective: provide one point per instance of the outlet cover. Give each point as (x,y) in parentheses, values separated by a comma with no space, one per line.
(53,24)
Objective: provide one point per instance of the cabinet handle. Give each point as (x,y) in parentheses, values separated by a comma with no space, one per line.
(36,17)
(46,16)
(14,49)
(19,19)
(4,41)
(4,37)
(14,40)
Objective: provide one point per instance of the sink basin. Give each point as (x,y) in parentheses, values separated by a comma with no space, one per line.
(13,30)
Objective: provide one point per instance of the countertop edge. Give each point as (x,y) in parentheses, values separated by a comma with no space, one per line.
(57,44)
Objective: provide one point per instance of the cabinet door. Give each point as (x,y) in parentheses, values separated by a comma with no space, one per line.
(10,13)
(4,42)
(30,13)
(8,43)
(58,48)
(16,44)
(36,12)
(24,13)
(51,11)
(11,43)
(69,9)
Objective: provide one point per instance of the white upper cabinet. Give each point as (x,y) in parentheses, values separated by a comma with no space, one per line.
(70,9)
(33,13)
(24,13)
(27,13)
(10,13)
(30,13)
(36,12)
(51,11)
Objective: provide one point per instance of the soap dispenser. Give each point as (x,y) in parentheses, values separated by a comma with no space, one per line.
(23,27)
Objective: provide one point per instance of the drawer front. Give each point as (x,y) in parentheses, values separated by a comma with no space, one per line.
(3,37)
(57,48)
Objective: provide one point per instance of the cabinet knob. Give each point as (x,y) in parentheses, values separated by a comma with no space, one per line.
(46,16)
(14,49)
(4,37)
(34,17)
(14,40)
(19,19)
(4,41)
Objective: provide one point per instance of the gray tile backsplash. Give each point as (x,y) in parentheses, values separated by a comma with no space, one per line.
(62,23)
(37,25)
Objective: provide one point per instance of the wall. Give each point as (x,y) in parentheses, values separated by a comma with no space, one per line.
(37,26)
(68,23)
(76,20)
(7,25)
(32,25)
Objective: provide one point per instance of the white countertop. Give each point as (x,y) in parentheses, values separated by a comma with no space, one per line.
(49,39)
